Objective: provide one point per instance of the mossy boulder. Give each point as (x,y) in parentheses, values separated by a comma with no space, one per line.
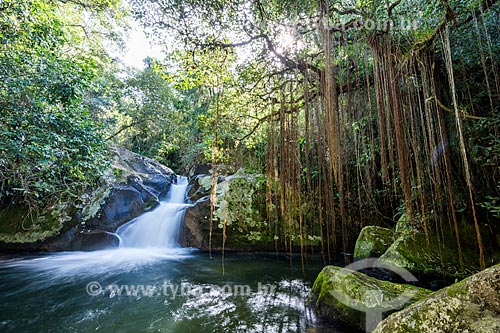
(373,241)
(343,295)
(472,305)
(20,225)
(50,230)
(436,258)
(239,203)
(405,225)
(432,255)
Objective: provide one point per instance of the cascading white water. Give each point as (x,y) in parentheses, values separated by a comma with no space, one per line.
(158,228)
(149,238)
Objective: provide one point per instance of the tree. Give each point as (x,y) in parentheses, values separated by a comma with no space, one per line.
(153,118)
(51,148)
(352,97)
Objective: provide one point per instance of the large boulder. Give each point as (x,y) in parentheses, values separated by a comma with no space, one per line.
(123,203)
(436,258)
(373,241)
(434,255)
(472,305)
(132,185)
(347,296)
(195,229)
(239,205)
(24,230)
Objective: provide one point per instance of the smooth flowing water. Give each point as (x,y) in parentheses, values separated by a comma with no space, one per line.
(158,228)
(150,284)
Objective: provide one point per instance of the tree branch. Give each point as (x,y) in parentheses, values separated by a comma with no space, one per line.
(126,127)
(464,115)
(285,61)
(392,6)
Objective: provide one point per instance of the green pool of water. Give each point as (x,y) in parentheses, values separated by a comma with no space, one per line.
(151,290)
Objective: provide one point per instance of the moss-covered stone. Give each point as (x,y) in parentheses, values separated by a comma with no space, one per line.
(435,254)
(472,305)
(373,241)
(205,183)
(238,205)
(412,252)
(20,225)
(342,295)
(404,225)
(95,201)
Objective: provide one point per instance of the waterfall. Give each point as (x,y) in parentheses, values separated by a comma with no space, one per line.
(146,239)
(158,228)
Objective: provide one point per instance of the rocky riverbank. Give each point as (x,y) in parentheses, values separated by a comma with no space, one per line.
(132,185)
(351,297)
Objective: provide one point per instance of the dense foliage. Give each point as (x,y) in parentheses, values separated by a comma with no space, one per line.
(50,146)
(368,110)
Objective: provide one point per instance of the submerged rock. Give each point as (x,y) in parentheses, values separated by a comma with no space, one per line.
(343,295)
(373,241)
(95,240)
(472,305)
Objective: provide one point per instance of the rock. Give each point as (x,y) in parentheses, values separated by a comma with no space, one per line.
(343,295)
(19,225)
(126,163)
(95,240)
(195,229)
(123,204)
(59,242)
(404,225)
(472,305)
(200,169)
(434,256)
(132,186)
(200,186)
(439,258)
(373,242)
(22,230)
(239,204)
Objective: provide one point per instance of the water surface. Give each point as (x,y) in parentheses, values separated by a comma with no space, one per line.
(150,284)
(182,291)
